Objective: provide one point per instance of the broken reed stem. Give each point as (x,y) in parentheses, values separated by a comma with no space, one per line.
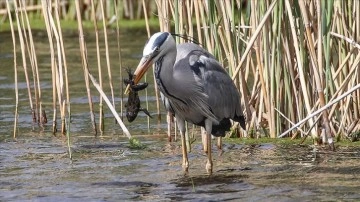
(16,116)
(84,61)
(292,123)
(101,108)
(329,104)
(111,107)
(350,41)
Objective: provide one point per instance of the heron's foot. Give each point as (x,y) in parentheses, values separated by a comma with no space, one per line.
(169,138)
(219,146)
(185,164)
(185,167)
(209,167)
(220,152)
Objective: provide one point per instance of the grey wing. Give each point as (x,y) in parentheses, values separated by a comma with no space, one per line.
(223,97)
(188,86)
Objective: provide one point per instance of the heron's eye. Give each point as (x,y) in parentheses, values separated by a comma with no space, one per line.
(157,49)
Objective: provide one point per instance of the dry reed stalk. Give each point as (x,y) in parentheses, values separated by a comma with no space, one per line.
(146,19)
(16,114)
(205,26)
(85,64)
(23,54)
(299,64)
(41,112)
(178,19)
(57,64)
(119,53)
(263,75)
(52,59)
(62,58)
(228,30)
(164,26)
(107,52)
(317,75)
(146,91)
(59,70)
(155,86)
(101,108)
(190,7)
(68,131)
(33,62)
(198,23)
(244,56)
(65,103)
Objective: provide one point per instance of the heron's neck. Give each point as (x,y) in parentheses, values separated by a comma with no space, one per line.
(164,67)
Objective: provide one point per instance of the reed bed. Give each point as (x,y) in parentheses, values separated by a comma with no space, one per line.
(292,61)
(283,57)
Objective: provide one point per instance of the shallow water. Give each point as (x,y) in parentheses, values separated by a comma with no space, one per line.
(132,42)
(107,169)
(36,165)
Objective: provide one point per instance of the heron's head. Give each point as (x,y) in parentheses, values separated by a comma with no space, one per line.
(158,45)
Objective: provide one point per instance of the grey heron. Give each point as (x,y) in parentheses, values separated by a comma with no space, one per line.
(197,88)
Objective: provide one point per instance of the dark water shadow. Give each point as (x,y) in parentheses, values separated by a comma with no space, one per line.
(202,180)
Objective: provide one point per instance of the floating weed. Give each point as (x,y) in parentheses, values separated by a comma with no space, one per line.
(136,144)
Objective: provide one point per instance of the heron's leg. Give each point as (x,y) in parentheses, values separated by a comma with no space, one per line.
(168,119)
(184,151)
(203,139)
(209,163)
(219,145)
(181,125)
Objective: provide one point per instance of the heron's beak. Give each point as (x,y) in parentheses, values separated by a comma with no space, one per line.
(143,66)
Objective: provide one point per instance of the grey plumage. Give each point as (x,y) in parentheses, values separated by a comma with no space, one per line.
(196,87)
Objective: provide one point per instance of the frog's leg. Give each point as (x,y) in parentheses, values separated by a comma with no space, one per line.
(139,86)
(145,111)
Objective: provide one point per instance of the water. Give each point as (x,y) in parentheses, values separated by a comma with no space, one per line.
(36,166)
(132,42)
